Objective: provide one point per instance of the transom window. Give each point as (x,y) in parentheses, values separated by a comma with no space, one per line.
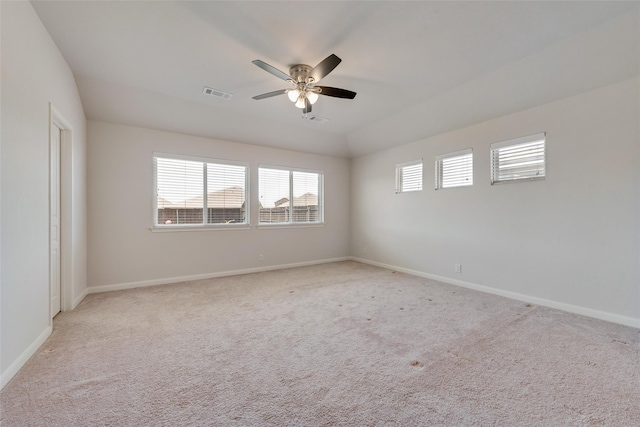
(290,196)
(409,176)
(518,159)
(193,191)
(454,169)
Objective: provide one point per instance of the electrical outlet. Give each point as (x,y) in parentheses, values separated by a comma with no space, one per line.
(457,268)
(261,257)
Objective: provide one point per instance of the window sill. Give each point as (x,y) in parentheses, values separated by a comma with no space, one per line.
(287,225)
(511,181)
(454,187)
(179,228)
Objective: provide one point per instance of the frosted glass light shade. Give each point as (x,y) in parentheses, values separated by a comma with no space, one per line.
(293,95)
(313,97)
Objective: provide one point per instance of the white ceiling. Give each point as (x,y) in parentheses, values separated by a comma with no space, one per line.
(419,68)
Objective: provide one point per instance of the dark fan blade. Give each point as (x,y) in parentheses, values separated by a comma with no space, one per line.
(307,106)
(325,67)
(273,70)
(270,94)
(336,92)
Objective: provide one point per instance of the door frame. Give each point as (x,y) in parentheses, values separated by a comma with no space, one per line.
(65,194)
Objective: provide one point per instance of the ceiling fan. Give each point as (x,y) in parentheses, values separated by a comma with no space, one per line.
(304,90)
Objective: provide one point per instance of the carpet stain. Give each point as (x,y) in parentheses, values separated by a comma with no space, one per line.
(621,342)
(417,364)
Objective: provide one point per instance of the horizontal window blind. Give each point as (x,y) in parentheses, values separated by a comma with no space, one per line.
(306,203)
(197,192)
(409,176)
(226,194)
(522,158)
(454,169)
(179,193)
(290,196)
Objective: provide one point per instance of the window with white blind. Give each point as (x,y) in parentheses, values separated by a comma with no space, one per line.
(518,159)
(290,196)
(454,169)
(409,176)
(193,191)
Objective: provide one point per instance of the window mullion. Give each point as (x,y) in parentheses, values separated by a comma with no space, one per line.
(205,195)
(290,197)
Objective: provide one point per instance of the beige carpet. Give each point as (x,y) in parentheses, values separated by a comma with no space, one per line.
(342,344)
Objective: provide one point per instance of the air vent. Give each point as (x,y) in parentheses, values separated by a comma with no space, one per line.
(317,119)
(217,93)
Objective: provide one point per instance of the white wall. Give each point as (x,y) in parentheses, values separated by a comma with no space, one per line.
(570,241)
(124,252)
(34,74)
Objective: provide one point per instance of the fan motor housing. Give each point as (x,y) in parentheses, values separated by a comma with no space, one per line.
(300,72)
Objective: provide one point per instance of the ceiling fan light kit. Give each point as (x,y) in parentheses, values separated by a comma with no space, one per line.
(304,92)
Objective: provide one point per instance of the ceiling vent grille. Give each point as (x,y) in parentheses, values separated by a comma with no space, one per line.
(317,119)
(217,93)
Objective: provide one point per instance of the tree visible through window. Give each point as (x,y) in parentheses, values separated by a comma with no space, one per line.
(199,192)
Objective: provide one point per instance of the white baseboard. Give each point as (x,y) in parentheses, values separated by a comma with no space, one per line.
(589,312)
(168,280)
(12,370)
(79,298)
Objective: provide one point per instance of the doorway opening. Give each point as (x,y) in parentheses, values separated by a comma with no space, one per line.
(60,287)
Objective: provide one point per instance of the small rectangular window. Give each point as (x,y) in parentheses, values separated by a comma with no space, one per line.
(409,176)
(454,169)
(290,196)
(196,191)
(518,159)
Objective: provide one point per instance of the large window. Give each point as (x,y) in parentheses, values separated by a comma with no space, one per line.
(518,159)
(409,176)
(290,196)
(454,169)
(193,191)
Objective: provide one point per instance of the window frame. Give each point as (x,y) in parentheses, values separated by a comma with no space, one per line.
(291,223)
(439,171)
(494,164)
(204,225)
(399,182)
